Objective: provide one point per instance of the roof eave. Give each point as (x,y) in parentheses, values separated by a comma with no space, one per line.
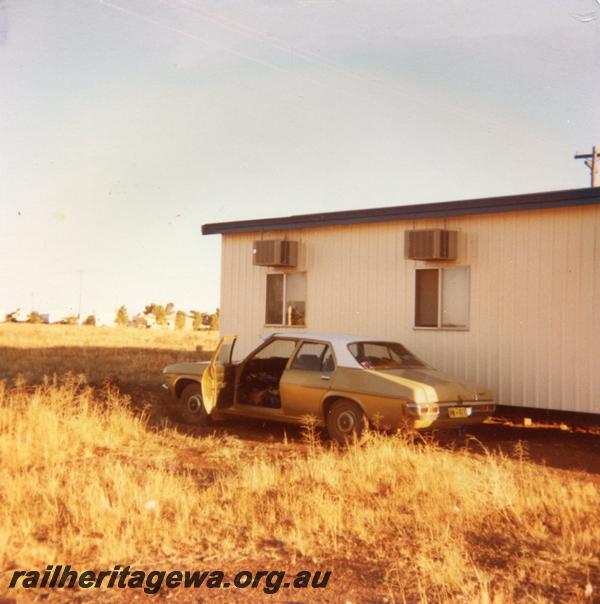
(510,203)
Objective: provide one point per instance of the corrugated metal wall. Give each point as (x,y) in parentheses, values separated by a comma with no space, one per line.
(534,334)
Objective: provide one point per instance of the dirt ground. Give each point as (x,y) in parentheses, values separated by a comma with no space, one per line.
(565,442)
(562,441)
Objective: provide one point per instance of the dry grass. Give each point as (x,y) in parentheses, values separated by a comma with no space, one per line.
(89,480)
(439,525)
(123,355)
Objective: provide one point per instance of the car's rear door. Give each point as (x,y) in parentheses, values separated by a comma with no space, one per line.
(307,379)
(213,378)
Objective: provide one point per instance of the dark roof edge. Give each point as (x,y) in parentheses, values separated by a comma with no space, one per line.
(486,205)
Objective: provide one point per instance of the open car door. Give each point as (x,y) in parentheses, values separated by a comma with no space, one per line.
(213,378)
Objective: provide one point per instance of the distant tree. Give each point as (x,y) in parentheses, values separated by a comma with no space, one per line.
(11,317)
(160,314)
(35,317)
(90,320)
(170,308)
(196,319)
(158,311)
(206,319)
(122,317)
(180,320)
(70,320)
(215,320)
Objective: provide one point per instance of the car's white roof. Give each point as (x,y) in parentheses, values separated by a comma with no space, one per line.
(338,341)
(333,338)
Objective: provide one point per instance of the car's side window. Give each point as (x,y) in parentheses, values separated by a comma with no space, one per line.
(313,357)
(225,353)
(280,349)
(328,361)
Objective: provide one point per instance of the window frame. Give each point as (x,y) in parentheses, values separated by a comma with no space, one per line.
(285,301)
(440,326)
(270,340)
(328,346)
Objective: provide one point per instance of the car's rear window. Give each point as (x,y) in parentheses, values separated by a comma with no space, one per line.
(384,355)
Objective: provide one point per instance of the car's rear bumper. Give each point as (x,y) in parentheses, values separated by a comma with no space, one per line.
(449,424)
(474,413)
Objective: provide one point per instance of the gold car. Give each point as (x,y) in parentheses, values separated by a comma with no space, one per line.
(342,381)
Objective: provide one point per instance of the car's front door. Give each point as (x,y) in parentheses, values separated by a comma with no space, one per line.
(257,387)
(307,379)
(213,378)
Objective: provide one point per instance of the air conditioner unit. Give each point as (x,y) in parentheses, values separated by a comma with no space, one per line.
(275,252)
(430,244)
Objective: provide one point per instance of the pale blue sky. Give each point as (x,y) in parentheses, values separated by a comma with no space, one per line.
(127,124)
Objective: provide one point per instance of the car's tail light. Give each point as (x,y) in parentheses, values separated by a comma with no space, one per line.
(487,408)
(422,409)
(428,409)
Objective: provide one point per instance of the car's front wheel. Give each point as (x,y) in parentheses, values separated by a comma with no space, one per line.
(191,406)
(345,419)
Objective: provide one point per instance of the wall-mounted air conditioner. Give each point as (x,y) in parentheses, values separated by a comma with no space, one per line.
(430,244)
(275,252)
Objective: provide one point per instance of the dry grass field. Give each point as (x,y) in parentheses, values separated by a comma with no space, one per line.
(91,479)
(122,355)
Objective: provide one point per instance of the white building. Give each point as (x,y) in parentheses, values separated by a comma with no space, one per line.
(516,306)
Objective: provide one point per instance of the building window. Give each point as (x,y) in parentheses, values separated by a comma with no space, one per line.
(286,299)
(442,298)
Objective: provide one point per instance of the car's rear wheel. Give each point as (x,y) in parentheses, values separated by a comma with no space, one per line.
(191,406)
(345,420)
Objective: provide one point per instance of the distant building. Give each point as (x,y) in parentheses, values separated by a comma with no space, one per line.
(142,321)
(104,319)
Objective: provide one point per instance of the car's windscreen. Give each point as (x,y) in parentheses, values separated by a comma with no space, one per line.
(384,355)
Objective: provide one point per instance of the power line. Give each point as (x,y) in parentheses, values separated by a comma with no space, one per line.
(317,58)
(423,99)
(192,36)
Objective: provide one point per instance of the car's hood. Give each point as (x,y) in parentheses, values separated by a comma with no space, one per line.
(187,368)
(432,386)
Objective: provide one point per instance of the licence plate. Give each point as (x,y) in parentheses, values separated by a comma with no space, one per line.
(457,412)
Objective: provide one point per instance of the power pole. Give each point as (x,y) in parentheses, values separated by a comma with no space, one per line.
(80,292)
(591,162)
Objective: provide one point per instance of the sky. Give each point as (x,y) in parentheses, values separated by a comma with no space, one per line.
(127,124)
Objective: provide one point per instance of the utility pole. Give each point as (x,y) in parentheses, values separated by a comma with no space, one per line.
(591,161)
(80,292)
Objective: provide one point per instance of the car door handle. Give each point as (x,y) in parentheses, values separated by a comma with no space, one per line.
(325,377)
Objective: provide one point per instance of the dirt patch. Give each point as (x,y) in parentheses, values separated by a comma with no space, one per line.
(555,444)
